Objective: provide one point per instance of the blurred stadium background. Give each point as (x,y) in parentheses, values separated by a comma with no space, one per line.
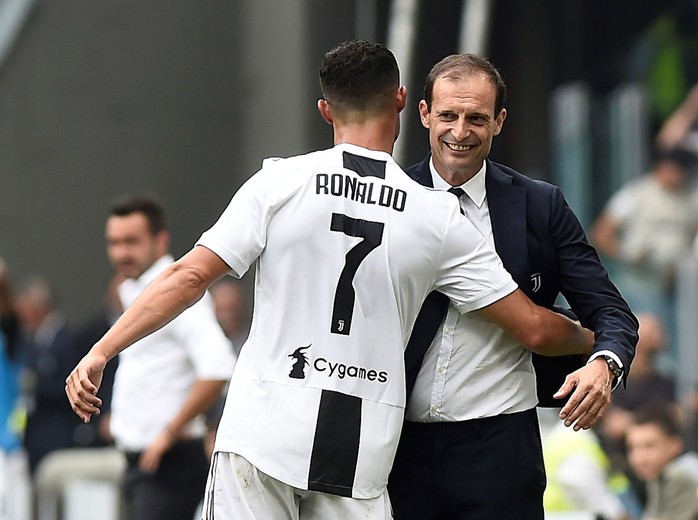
(183,99)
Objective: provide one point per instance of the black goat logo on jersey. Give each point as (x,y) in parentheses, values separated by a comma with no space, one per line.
(300,360)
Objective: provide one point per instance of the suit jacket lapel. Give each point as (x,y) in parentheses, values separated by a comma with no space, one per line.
(421,173)
(507,205)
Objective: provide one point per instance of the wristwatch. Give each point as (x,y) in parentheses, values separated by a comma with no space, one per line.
(614,366)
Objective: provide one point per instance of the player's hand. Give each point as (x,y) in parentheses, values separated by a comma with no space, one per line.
(150,458)
(590,387)
(82,384)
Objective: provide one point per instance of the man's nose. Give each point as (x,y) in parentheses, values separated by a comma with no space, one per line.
(460,130)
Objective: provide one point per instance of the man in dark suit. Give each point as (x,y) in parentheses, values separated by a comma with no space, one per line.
(48,343)
(471,446)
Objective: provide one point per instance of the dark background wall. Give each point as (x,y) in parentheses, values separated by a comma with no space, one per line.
(99,99)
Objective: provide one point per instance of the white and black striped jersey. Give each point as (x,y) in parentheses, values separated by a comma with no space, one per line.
(347,248)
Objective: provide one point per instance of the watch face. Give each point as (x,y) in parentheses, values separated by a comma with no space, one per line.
(617,371)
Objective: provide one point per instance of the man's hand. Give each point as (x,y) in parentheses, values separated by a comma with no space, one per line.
(150,458)
(591,394)
(82,384)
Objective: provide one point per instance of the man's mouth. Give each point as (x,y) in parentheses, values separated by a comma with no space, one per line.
(459,147)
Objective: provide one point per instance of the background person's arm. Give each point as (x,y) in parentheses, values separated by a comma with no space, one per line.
(604,235)
(201,397)
(678,124)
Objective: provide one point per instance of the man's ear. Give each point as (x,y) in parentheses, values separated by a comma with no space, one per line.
(499,121)
(162,239)
(424,113)
(325,111)
(401,98)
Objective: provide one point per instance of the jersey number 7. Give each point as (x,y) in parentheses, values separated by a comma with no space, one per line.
(345,295)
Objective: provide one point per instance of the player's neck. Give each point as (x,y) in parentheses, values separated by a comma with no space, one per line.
(374,135)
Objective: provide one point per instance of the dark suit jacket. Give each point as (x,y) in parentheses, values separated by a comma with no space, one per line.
(51,424)
(543,246)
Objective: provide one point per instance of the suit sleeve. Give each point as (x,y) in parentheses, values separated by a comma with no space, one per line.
(585,284)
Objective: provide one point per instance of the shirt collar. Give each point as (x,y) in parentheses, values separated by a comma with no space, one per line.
(366,152)
(154,270)
(474,187)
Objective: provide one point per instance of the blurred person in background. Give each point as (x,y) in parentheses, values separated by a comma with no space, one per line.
(657,455)
(166,382)
(97,433)
(233,316)
(678,131)
(50,351)
(581,478)
(14,477)
(648,227)
(646,385)
(232,311)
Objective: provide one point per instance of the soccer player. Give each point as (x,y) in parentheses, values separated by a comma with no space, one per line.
(346,249)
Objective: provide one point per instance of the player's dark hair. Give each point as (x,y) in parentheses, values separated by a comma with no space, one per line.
(144,204)
(457,66)
(662,417)
(359,76)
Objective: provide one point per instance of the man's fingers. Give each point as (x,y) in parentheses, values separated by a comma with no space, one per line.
(573,408)
(585,407)
(565,389)
(81,393)
(81,378)
(570,385)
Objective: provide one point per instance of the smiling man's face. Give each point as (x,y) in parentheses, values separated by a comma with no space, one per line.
(461,124)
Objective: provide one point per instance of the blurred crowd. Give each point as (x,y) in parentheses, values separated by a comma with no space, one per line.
(43,444)
(639,461)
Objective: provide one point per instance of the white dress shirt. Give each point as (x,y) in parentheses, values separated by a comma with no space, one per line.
(473,368)
(155,374)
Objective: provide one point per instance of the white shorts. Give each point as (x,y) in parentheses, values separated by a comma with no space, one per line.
(237,490)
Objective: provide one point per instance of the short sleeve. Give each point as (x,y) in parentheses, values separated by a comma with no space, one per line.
(621,205)
(470,272)
(239,235)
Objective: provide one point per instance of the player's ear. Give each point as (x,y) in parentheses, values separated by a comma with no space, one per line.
(401,98)
(325,111)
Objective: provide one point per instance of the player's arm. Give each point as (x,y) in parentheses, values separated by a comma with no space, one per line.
(538,329)
(178,287)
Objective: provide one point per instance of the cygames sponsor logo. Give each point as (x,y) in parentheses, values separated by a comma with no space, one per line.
(332,368)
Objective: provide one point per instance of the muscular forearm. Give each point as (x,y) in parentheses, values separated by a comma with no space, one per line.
(561,336)
(538,329)
(176,289)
